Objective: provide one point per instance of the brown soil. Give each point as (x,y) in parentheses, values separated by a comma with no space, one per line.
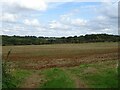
(64,62)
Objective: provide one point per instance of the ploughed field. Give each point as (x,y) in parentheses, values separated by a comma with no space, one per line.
(59,55)
(86,65)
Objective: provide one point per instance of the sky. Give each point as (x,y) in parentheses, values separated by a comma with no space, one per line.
(57,18)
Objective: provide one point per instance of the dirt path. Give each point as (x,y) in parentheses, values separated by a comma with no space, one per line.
(78,83)
(33,81)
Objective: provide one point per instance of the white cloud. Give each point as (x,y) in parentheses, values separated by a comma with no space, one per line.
(32,4)
(13,29)
(109,9)
(8,17)
(58,25)
(78,22)
(100,18)
(54,24)
(79,0)
(107,29)
(65,18)
(33,22)
(6,30)
(23,13)
(26,4)
(68,20)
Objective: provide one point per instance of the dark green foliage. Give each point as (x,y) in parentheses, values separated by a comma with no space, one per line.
(32,40)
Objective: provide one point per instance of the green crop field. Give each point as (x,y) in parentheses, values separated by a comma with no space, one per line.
(86,65)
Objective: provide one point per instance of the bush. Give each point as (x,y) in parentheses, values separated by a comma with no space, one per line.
(8,81)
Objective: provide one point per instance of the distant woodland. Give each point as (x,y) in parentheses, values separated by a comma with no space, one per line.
(33,40)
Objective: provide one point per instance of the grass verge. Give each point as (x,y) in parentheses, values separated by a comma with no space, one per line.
(98,75)
(20,75)
(15,78)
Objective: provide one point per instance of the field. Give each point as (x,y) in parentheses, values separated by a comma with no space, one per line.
(86,65)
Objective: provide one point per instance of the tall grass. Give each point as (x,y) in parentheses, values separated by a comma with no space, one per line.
(8,81)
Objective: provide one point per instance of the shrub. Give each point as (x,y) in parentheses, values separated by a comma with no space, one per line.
(8,81)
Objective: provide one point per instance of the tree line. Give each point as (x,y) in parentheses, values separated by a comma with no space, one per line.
(33,40)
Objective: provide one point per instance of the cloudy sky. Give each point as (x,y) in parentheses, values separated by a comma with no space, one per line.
(56,18)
